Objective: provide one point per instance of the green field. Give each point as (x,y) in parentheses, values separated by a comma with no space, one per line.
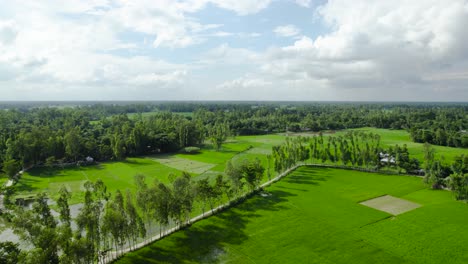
(120,175)
(208,163)
(313,216)
(116,175)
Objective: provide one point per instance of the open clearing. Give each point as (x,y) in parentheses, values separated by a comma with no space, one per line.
(391,205)
(120,174)
(313,216)
(208,163)
(191,166)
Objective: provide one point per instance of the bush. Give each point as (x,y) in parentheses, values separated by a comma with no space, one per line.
(191,150)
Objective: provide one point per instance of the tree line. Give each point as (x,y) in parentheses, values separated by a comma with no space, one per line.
(106,224)
(41,135)
(358,149)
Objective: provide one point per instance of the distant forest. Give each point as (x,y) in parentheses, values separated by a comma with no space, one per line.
(48,133)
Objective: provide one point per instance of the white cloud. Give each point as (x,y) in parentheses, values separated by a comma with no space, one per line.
(304,3)
(157,79)
(382,50)
(385,50)
(243,7)
(8,32)
(244,82)
(286,31)
(227,55)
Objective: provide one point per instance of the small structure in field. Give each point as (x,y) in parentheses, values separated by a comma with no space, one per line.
(89,159)
(386,158)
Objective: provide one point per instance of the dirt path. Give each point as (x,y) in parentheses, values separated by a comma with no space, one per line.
(112,254)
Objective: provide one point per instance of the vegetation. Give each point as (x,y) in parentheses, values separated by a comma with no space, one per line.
(313,215)
(156,171)
(34,136)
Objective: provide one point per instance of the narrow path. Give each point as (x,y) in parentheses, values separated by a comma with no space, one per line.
(119,253)
(112,256)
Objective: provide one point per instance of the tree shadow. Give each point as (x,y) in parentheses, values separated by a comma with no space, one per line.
(306,177)
(293,189)
(26,185)
(205,241)
(136,162)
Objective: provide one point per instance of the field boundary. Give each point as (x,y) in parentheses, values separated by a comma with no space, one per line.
(344,167)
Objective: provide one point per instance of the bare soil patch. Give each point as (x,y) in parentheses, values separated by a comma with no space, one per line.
(182,164)
(391,205)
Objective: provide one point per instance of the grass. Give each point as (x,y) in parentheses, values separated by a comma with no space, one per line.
(182,164)
(120,175)
(116,175)
(208,163)
(313,216)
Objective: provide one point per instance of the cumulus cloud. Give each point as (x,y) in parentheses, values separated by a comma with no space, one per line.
(304,3)
(244,82)
(243,7)
(387,49)
(8,32)
(286,31)
(381,50)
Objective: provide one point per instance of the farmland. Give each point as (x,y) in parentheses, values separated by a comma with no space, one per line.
(120,174)
(207,163)
(159,172)
(314,216)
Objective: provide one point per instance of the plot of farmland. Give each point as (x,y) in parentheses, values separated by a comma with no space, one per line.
(191,166)
(391,205)
(313,215)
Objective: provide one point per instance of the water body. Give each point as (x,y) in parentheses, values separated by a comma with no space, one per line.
(7,234)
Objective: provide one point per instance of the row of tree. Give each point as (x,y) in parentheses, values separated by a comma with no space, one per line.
(360,149)
(31,135)
(106,224)
(439,174)
(355,148)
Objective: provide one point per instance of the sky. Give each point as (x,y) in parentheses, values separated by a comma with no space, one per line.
(299,50)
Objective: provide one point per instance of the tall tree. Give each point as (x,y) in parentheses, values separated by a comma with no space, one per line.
(218,133)
(252,171)
(11,167)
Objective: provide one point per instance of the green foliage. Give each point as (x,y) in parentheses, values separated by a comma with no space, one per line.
(459,185)
(37,227)
(252,171)
(11,167)
(9,252)
(191,150)
(323,204)
(218,134)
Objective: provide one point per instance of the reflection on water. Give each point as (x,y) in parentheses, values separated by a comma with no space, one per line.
(7,234)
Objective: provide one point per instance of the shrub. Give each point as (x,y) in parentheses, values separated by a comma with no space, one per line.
(191,150)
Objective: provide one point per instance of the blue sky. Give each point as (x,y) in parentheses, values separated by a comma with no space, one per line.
(234,50)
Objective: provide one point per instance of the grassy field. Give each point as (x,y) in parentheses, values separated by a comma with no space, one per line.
(208,163)
(313,216)
(116,175)
(120,175)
